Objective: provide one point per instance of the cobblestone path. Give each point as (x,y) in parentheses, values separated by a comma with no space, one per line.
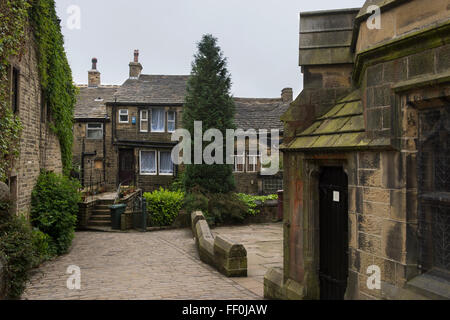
(154,265)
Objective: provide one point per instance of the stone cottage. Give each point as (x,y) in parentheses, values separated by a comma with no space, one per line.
(123,133)
(366,157)
(39,146)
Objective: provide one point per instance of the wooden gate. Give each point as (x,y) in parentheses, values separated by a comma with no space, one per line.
(333,233)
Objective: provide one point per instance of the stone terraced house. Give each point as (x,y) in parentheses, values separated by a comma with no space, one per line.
(39,146)
(367,157)
(122,134)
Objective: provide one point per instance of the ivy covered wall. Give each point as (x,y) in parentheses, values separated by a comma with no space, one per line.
(54,71)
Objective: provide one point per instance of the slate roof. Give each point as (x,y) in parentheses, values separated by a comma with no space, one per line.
(254,113)
(153,89)
(342,127)
(87,107)
(251,113)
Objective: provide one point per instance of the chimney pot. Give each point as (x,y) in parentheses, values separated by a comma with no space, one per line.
(94,75)
(135,66)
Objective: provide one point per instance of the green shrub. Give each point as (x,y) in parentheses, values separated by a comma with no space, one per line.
(54,207)
(218,208)
(16,246)
(253,201)
(43,247)
(164,206)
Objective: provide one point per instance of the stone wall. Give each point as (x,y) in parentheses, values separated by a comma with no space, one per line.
(229,257)
(39,147)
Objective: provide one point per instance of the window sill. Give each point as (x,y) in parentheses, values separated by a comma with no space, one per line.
(433,284)
(147,174)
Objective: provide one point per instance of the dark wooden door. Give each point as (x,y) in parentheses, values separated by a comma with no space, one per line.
(126,166)
(333,233)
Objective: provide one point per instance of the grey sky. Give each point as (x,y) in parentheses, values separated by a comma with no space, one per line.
(259,38)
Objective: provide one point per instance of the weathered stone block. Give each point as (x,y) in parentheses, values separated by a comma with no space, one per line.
(273,284)
(376,195)
(377,209)
(231,257)
(369,243)
(369,224)
(398,205)
(393,170)
(352,286)
(370,178)
(369,160)
(394,240)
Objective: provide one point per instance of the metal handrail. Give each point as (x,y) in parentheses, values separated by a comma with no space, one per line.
(118,190)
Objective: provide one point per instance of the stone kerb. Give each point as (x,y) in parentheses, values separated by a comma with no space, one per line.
(195,217)
(227,256)
(231,257)
(205,242)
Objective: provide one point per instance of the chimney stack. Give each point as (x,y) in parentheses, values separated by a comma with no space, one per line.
(287,95)
(135,66)
(94,75)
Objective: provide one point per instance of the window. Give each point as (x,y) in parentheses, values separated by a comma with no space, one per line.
(434,190)
(171,120)
(165,163)
(15,90)
(144,121)
(148,162)
(252,163)
(239,163)
(158,120)
(123,116)
(94,130)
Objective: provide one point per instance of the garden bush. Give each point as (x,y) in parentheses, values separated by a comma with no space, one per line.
(43,247)
(54,207)
(252,202)
(16,246)
(163,206)
(218,208)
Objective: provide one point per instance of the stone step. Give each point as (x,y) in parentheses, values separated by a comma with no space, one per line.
(96,212)
(103,206)
(100,218)
(100,223)
(105,202)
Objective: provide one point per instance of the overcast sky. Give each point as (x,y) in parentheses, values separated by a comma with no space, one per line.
(259,38)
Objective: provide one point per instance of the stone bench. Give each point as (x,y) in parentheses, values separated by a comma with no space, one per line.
(227,256)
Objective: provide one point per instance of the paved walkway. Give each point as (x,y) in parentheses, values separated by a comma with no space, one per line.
(155,265)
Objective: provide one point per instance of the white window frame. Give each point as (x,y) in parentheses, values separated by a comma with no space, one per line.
(94,129)
(236,163)
(140,163)
(121,114)
(159,165)
(143,121)
(255,165)
(164,122)
(174,121)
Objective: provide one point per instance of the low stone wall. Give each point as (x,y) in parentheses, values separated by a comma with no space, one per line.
(229,257)
(268,213)
(85,210)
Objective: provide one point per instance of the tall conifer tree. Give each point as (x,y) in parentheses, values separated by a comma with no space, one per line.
(209,100)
